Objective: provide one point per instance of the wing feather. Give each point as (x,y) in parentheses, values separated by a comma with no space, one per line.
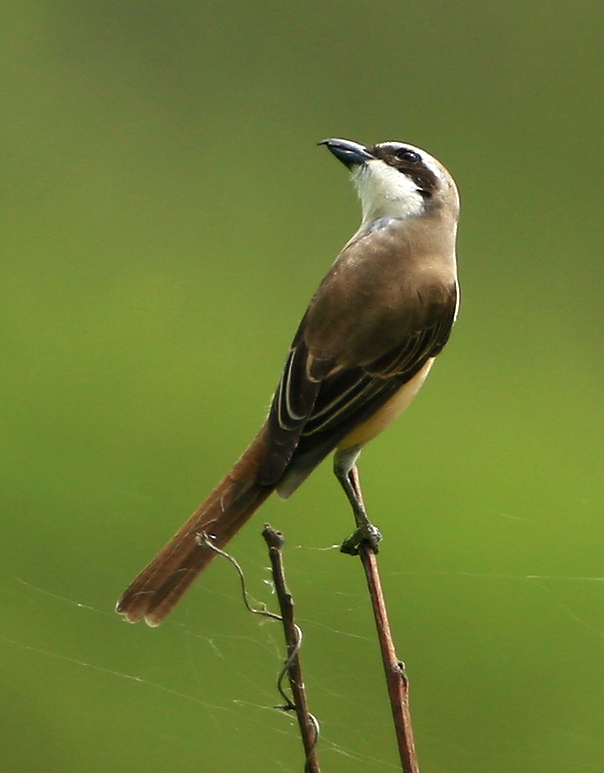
(309,415)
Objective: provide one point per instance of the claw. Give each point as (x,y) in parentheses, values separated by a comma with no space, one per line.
(368,534)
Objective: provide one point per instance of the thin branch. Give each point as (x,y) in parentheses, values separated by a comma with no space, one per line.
(309,729)
(396,679)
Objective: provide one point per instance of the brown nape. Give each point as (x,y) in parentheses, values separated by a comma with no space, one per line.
(160,586)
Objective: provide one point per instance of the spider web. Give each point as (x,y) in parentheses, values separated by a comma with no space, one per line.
(213,676)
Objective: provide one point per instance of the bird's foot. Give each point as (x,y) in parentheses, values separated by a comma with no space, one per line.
(367,534)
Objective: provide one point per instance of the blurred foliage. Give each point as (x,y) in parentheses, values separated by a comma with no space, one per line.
(166,218)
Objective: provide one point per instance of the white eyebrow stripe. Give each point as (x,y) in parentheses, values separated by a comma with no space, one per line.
(433,167)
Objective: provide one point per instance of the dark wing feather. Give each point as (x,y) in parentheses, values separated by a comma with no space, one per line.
(310,416)
(292,405)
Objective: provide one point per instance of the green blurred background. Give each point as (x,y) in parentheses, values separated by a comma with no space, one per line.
(166,217)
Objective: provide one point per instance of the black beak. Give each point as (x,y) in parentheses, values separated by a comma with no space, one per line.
(348,152)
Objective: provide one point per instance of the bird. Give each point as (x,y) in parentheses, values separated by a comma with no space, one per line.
(362,351)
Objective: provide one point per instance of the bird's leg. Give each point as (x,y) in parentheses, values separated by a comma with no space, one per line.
(345,469)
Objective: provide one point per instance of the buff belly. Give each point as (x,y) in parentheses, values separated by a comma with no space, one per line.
(388,413)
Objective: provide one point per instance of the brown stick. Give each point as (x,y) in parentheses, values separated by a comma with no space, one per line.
(396,679)
(293,637)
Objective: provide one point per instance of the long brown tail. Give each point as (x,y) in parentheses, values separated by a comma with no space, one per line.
(158,588)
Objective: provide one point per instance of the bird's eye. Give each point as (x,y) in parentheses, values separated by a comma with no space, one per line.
(408,155)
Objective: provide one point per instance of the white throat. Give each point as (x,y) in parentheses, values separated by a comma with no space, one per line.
(386,192)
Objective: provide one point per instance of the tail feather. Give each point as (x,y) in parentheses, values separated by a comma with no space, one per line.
(158,588)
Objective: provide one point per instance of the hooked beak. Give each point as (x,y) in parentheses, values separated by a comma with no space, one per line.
(350,153)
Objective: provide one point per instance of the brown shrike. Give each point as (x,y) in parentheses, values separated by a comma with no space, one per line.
(361,353)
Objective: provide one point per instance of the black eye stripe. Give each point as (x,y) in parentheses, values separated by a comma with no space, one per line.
(407,162)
